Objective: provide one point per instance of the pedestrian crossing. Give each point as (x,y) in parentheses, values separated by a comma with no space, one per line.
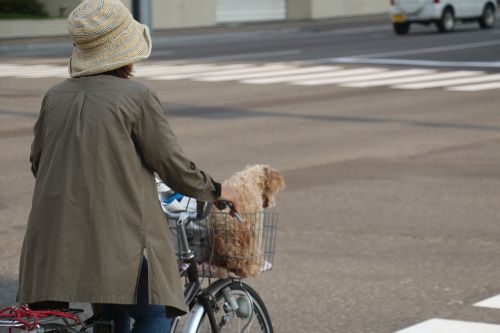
(439,325)
(295,73)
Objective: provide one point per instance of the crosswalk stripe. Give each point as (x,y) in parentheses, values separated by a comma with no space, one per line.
(219,71)
(47,72)
(304,73)
(4,67)
(356,78)
(335,73)
(59,74)
(16,71)
(267,74)
(451,326)
(284,77)
(167,72)
(452,82)
(411,79)
(144,71)
(492,303)
(419,78)
(476,87)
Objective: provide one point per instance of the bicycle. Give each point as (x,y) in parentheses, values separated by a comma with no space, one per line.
(225,305)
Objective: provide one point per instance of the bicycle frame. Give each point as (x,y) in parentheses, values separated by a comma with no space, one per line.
(192,290)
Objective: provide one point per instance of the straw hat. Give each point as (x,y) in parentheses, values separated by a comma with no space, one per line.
(105,37)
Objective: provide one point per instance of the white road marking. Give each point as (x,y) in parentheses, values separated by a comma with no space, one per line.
(335,73)
(60,73)
(433,75)
(411,79)
(183,69)
(492,303)
(250,55)
(291,72)
(357,78)
(8,66)
(428,50)
(451,326)
(412,62)
(218,72)
(455,82)
(15,71)
(476,87)
(266,74)
(287,77)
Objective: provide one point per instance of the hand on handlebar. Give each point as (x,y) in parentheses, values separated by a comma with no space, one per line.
(228,198)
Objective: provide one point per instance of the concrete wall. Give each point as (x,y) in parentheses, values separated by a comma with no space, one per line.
(321,9)
(299,9)
(32,28)
(171,14)
(183,13)
(59,8)
(335,8)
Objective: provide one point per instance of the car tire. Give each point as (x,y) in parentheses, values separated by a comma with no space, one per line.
(401,28)
(487,20)
(447,21)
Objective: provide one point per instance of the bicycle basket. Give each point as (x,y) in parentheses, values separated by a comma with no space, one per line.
(224,246)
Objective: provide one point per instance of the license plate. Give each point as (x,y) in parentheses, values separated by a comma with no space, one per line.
(398,18)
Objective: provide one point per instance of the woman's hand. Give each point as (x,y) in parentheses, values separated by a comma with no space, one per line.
(228,194)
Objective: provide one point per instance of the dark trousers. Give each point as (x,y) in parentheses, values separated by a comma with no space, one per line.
(148,318)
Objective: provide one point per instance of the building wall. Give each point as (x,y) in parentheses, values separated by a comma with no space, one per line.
(337,8)
(299,9)
(183,13)
(59,8)
(33,28)
(172,14)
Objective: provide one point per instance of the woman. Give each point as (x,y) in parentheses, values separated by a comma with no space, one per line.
(95,215)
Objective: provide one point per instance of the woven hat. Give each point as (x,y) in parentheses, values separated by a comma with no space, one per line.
(106,37)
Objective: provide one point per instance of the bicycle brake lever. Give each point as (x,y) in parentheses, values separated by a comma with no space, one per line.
(222,204)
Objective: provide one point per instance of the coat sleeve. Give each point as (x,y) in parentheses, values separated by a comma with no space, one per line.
(161,153)
(37,145)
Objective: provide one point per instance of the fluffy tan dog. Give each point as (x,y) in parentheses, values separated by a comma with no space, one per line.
(238,246)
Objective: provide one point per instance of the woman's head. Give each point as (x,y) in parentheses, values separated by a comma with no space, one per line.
(123,72)
(106,38)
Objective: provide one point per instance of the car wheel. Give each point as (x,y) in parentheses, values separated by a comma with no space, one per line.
(487,20)
(401,28)
(447,21)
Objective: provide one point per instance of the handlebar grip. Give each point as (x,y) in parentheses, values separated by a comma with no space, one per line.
(223,204)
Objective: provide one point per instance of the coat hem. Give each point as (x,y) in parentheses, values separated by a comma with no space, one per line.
(176,309)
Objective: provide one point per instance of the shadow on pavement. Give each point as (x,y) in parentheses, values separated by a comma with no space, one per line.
(8,289)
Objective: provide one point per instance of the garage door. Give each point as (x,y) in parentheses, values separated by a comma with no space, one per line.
(250,10)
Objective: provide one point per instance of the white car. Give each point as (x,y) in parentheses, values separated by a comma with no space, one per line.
(443,13)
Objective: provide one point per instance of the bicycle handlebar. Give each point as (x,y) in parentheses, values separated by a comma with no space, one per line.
(202,211)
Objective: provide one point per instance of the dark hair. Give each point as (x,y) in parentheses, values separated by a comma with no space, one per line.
(123,72)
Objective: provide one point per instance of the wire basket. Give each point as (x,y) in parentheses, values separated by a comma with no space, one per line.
(225,247)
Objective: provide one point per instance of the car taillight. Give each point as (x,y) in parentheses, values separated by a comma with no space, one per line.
(437,1)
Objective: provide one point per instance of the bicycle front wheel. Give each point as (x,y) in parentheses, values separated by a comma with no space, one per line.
(251,316)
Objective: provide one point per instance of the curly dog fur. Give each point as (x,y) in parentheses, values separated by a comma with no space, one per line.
(238,246)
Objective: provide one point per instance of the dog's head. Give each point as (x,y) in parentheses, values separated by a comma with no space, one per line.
(272,183)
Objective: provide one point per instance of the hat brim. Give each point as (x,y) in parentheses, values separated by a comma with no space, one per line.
(131,46)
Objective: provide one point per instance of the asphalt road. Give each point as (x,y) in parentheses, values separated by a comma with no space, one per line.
(390,216)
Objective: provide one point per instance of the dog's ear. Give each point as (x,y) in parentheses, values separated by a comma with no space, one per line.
(274,182)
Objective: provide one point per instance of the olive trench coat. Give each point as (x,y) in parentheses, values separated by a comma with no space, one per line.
(95,208)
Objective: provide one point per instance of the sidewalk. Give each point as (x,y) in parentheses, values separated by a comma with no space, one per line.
(45,46)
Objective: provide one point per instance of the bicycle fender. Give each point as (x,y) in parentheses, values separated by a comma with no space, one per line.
(196,313)
(194,318)
(218,285)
